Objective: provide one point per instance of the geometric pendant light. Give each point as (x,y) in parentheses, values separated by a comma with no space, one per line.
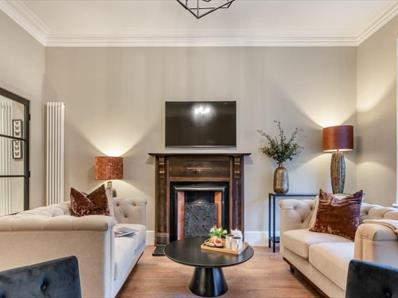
(200,8)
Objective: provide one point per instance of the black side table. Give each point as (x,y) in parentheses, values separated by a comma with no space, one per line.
(272,239)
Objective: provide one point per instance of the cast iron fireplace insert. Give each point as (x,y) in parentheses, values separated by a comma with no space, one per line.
(195,208)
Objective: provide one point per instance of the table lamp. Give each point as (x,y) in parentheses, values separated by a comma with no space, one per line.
(109,168)
(338,139)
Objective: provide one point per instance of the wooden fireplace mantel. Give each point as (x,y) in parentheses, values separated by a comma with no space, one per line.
(165,154)
(173,167)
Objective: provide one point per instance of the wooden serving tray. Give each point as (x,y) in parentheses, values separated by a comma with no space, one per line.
(224,250)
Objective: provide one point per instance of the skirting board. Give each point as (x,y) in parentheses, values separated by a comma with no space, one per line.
(254,238)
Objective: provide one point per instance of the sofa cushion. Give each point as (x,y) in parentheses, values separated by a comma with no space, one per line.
(299,241)
(338,216)
(127,247)
(95,203)
(332,260)
(338,196)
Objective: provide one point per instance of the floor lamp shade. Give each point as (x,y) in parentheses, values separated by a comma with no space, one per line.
(337,139)
(108,168)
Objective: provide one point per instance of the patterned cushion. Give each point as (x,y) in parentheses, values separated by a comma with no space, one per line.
(95,203)
(338,216)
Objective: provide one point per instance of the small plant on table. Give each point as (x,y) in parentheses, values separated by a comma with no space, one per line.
(215,237)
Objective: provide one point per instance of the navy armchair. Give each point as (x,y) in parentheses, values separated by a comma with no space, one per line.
(370,280)
(57,278)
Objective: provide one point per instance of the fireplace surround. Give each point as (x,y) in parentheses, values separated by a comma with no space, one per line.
(196,190)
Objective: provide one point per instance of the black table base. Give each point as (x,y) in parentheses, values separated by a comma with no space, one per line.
(208,278)
(159,251)
(208,282)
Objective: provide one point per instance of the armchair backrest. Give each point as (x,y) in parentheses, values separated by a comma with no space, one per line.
(57,278)
(371,280)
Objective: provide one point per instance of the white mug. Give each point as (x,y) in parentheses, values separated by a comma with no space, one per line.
(228,241)
(236,243)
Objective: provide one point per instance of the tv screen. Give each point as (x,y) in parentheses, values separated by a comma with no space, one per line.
(201,124)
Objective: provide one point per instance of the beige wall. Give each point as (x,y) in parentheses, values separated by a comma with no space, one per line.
(115,105)
(21,72)
(376,115)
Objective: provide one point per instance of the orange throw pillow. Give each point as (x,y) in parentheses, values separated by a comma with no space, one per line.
(338,216)
(95,203)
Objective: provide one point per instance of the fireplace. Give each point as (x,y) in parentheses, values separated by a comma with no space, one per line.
(195,208)
(194,191)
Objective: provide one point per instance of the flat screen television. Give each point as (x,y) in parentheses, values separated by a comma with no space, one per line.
(201,124)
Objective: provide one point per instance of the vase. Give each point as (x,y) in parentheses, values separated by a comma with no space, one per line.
(281,180)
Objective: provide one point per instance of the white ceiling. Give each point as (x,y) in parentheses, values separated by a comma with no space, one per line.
(166,23)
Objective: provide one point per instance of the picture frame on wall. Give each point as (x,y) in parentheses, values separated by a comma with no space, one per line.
(17,128)
(17,152)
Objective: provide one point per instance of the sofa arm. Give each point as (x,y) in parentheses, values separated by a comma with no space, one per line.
(58,223)
(30,239)
(130,211)
(376,243)
(294,214)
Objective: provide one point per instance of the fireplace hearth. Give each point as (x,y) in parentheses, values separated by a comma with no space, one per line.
(194,192)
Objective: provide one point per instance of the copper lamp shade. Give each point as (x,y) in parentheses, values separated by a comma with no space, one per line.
(338,138)
(108,168)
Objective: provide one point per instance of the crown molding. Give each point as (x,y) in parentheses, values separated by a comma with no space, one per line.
(378,23)
(211,39)
(25,18)
(31,23)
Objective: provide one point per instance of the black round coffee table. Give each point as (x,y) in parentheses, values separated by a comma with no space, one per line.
(208,278)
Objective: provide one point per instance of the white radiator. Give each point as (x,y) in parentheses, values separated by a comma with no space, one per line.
(5,157)
(55,153)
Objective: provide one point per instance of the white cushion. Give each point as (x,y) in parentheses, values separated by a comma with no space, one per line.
(126,248)
(299,241)
(332,260)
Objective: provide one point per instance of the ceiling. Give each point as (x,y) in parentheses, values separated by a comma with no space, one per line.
(166,23)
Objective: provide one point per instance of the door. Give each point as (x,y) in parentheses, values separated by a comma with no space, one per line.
(14,153)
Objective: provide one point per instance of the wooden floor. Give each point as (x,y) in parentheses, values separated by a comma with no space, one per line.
(265,275)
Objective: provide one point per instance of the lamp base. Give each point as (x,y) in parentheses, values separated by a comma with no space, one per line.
(111,192)
(337,172)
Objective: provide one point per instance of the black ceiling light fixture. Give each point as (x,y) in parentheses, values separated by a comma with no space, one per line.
(200,8)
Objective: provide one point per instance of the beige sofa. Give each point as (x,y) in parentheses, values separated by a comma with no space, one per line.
(324,258)
(51,232)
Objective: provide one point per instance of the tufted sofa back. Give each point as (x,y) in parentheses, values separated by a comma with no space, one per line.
(125,210)
(130,211)
(298,213)
(49,211)
(369,211)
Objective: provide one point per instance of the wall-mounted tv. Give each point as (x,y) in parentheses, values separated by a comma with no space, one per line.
(201,124)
